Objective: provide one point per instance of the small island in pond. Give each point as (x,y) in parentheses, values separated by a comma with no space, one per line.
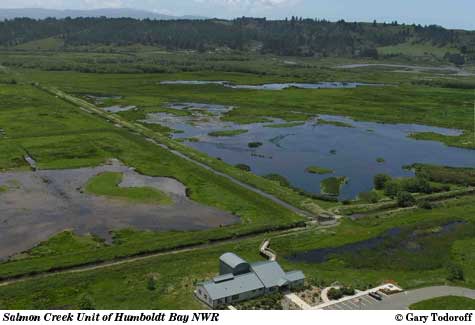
(226,133)
(319,170)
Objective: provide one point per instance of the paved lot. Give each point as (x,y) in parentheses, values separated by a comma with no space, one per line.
(401,301)
(405,299)
(365,302)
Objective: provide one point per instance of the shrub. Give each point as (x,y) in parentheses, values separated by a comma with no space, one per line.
(391,188)
(452,175)
(334,294)
(254,144)
(244,167)
(455,273)
(370,52)
(370,197)
(425,204)
(86,303)
(380,181)
(416,185)
(347,291)
(405,199)
(455,58)
(278,178)
(269,302)
(151,283)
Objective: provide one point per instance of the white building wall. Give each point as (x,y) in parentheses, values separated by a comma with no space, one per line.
(203,295)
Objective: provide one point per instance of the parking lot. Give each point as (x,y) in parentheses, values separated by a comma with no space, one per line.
(365,302)
(397,301)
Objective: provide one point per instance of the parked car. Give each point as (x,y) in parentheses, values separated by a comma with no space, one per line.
(376,296)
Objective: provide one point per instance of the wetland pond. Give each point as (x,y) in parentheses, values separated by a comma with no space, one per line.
(351,149)
(273,86)
(395,239)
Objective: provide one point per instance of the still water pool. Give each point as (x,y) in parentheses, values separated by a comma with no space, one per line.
(348,151)
(393,239)
(273,86)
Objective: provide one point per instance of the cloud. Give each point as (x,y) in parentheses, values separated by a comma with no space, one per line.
(233,8)
(267,3)
(250,3)
(230,8)
(62,4)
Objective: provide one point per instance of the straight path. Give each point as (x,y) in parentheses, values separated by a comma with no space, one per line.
(132,259)
(85,268)
(142,131)
(242,184)
(297,301)
(106,264)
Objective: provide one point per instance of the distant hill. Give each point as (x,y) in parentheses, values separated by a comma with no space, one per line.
(40,13)
(289,37)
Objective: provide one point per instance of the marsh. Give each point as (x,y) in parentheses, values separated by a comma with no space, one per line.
(289,148)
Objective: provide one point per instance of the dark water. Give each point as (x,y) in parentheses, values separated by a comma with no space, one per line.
(323,254)
(273,86)
(350,152)
(211,108)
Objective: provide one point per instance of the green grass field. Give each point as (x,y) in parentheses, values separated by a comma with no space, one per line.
(107,184)
(46,44)
(416,50)
(445,303)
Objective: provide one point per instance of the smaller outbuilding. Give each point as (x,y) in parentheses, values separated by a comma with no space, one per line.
(231,263)
(239,280)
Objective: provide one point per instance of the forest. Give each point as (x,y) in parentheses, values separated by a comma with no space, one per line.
(289,37)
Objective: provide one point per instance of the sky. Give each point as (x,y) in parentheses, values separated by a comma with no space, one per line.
(448,13)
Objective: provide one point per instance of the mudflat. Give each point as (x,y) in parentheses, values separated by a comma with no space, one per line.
(38,205)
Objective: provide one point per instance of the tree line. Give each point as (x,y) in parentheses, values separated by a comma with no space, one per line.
(289,37)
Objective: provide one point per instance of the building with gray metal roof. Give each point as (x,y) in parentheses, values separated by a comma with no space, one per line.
(231,263)
(270,273)
(239,281)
